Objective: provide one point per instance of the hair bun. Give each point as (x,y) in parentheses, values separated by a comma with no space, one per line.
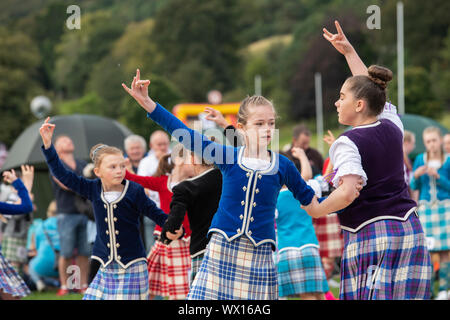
(380,75)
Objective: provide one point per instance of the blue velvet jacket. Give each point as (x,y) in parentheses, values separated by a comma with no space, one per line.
(249,197)
(118,237)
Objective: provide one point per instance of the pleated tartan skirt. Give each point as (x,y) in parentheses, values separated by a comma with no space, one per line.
(300,271)
(329,234)
(168,269)
(386,260)
(235,270)
(10,281)
(116,283)
(196,262)
(435,219)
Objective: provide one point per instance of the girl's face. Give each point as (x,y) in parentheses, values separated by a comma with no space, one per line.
(409,146)
(346,106)
(111,169)
(432,142)
(260,125)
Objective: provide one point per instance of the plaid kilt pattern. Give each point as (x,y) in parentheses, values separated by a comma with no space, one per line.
(117,283)
(10,281)
(14,249)
(195,266)
(329,234)
(168,269)
(435,220)
(386,260)
(235,270)
(300,271)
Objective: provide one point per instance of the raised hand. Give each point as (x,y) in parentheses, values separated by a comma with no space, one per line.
(139,91)
(27,176)
(298,153)
(329,139)
(216,116)
(46,131)
(9,176)
(338,40)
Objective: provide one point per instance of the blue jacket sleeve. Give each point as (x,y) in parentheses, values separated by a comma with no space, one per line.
(415,183)
(68,178)
(444,176)
(192,140)
(149,208)
(295,183)
(25,206)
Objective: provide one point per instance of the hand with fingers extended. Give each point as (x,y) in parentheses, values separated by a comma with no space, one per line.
(9,176)
(27,176)
(216,116)
(46,131)
(139,91)
(329,139)
(338,40)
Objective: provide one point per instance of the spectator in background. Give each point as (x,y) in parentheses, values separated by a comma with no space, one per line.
(72,225)
(159,146)
(14,241)
(43,267)
(3,154)
(135,149)
(301,138)
(432,179)
(447,143)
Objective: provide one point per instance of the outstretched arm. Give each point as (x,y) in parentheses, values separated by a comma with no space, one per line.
(341,43)
(191,139)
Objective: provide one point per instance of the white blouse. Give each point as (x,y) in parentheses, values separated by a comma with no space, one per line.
(111,196)
(255,164)
(344,154)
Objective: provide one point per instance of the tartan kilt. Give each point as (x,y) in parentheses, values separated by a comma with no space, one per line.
(195,266)
(386,260)
(10,281)
(14,249)
(116,283)
(300,271)
(168,269)
(234,270)
(435,219)
(329,234)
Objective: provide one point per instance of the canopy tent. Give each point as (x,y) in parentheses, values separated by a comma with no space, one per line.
(85,131)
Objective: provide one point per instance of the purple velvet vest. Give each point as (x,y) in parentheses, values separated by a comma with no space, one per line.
(386,194)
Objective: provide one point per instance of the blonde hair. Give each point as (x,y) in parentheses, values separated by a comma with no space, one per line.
(431,130)
(51,210)
(100,150)
(252,101)
(408,136)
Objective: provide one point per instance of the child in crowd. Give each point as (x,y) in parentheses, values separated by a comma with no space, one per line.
(431,178)
(11,284)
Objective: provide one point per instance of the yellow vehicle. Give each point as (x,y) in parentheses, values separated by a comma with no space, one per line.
(191,112)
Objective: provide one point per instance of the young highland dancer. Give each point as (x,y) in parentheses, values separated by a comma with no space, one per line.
(432,179)
(168,265)
(118,205)
(198,197)
(11,284)
(238,261)
(300,270)
(385,255)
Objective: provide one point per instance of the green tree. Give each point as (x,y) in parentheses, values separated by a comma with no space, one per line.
(19,58)
(199,42)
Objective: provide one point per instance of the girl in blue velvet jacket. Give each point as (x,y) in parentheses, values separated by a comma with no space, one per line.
(238,260)
(118,205)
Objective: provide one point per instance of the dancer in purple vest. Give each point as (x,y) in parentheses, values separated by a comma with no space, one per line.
(385,255)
